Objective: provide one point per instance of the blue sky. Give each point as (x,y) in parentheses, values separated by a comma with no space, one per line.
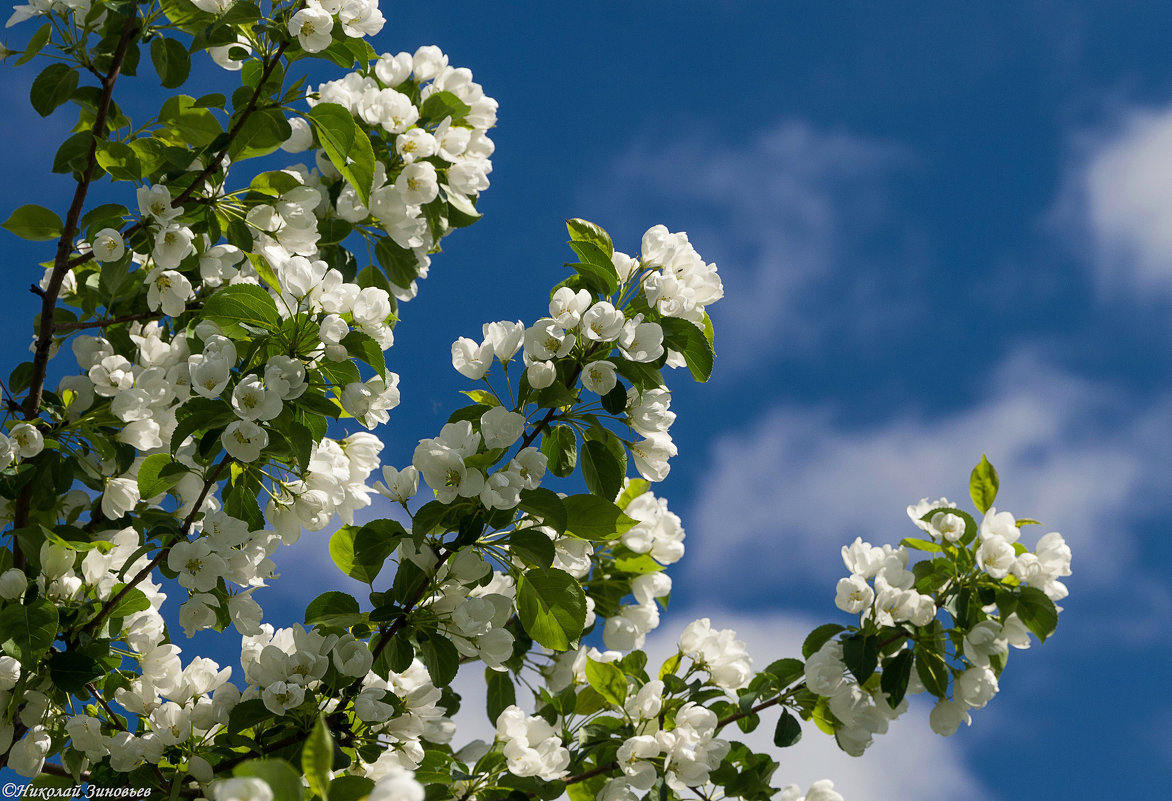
(944,229)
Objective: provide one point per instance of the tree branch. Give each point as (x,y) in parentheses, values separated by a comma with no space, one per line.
(155,315)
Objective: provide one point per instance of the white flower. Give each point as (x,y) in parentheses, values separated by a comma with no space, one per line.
(241,790)
(199,568)
(231,57)
(253,401)
(369,402)
(546,339)
(853,594)
(996,556)
(471,360)
(108,245)
(947,526)
(397,784)
(173,244)
(652,454)
(9,672)
(312,27)
(602,322)
(28,755)
(285,376)
(505,338)
(599,376)
(427,62)
(976,687)
(400,485)
(947,716)
(999,524)
(170,290)
(500,427)
(155,202)
(243,440)
(119,497)
(392,70)
(13,583)
(541,374)
(27,440)
(301,138)
(360,18)
(640,341)
(648,411)
(566,306)
(417,183)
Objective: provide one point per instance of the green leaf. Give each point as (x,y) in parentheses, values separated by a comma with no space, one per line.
(921,545)
(35,43)
(242,303)
(350,788)
(199,414)
(71,156)
(590,517)
(261,134)
(365,349)
(29,630)
(896,672)
(333,609)
(52,87)
(786,671)
(983,484)
(551,607)
(133,601)
(35,223)
(1037,611)
(635,488)
(158,473)
(687,339)
(585,231)
(400,265)
(284,781)
(171,61)
(932,670)
(119,160)
(560,446)
(71,671)
(361,552)
(440,657)
(860,654)
(595,262)
(501,692)
(608,681)
(547,505)
(788,730)
(317,758)
(187,124)
(602,471)
(818,637)
(532,547)
(444,104)
(347,145)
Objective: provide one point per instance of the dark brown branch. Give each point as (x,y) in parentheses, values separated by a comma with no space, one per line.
(130,318)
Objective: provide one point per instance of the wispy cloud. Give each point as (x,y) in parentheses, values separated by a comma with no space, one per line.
(1116,203)
(787,490)
(786,214)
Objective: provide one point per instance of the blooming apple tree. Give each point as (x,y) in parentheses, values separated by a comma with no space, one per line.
(230,325)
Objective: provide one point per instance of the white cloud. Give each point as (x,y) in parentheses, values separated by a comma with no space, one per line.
(788,490)
(1118,196)
(786,214)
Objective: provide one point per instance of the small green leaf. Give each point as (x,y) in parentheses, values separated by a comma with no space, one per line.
(551,607)
(786,671)
(788,730)
(158,473)
(171,61)
(361,552)
(333,609)
(607,680)
(983,484)
(860,654)
(585,231)
(601,470)
(590,517)
(440,657)
(71,671)
(547,505)
(242,303)
(29,630)
(1037,611)
(560,446)
(818,637)
(932,670)
(501,692)
(347,146)
(596,263)
(350,788)
(284,781)
(119,160)
(896,672)
(133,601)
(365,349)
(52,87)
(687,339)
(317,758)
(444,104)
(532,547)
(35,223)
